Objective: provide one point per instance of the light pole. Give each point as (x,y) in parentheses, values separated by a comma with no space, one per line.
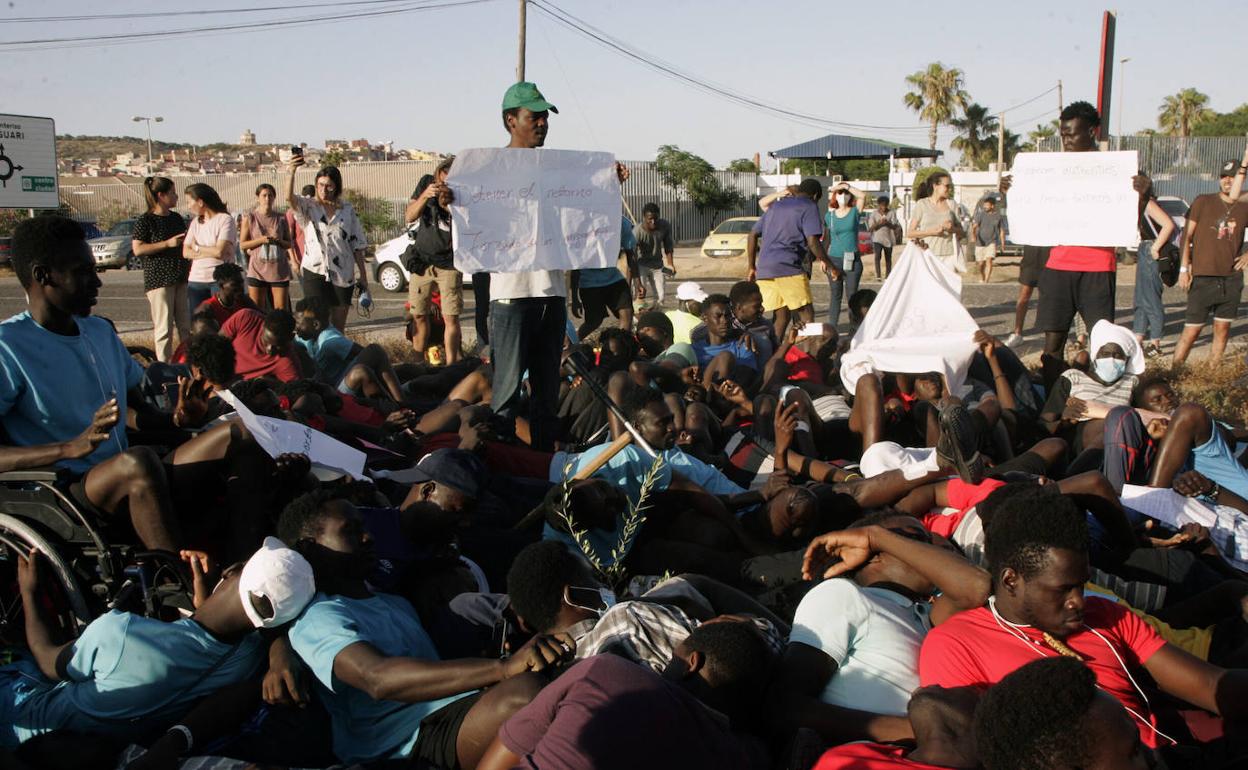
(1122,94)
(142,119)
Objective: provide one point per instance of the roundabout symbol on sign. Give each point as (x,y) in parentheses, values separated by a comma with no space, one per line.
(7,168)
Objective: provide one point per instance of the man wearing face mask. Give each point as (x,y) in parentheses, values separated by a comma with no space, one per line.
(1079,401)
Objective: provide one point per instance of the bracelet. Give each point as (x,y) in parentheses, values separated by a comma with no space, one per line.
(1184,269)
(851,476)
(1213,491)
(804,469)
(1001,376)
(185,732)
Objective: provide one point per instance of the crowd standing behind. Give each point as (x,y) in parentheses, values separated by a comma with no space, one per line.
(671,537)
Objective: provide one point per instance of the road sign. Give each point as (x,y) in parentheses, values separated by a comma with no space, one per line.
(28,163)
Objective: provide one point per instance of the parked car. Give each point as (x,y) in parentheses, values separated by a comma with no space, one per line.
(112,251)
(728,239)
(388,268)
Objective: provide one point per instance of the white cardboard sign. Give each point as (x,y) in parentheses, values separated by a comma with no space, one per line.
(1074,199)
(277,437)
(519,209)
(28,177)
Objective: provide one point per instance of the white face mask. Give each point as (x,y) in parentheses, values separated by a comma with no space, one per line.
(841,199)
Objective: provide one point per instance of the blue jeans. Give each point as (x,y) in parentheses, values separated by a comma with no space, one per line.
(527,334)
(844,288)
(198,292)
(1150,316)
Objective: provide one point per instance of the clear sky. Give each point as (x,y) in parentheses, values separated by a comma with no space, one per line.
(434,79)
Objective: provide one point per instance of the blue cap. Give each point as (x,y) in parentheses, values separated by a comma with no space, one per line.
(455,468)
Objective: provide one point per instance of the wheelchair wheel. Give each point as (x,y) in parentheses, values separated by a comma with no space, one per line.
(64,603)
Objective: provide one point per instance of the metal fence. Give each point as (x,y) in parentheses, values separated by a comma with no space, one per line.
(388,187)
(1180,166)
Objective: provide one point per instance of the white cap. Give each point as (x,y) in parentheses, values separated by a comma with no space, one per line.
(280,575)
(691,290)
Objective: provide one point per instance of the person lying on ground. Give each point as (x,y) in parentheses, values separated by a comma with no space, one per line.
(853,654)
(377,671)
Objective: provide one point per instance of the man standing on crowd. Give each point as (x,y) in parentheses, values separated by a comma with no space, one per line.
(1077,279)
(988,235)
(654,249)
(434,262)
(1213,260)
(790,229)
(529,309)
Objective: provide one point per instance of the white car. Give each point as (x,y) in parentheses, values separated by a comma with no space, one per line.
(388,268)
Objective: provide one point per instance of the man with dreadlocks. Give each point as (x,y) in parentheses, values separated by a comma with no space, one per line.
(1037,553)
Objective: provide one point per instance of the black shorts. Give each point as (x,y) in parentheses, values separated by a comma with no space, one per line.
(435,743)
(1065,292)
(612,298)
(1028,462)
(256,283)
(1214,292)
(315,285)
(1034,260)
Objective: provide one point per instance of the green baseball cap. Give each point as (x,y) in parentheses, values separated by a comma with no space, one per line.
(525,94)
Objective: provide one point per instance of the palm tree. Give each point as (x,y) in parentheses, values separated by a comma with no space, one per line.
(1180,113)
(937,96)
(977,134)
(1012,146)
(1043,132)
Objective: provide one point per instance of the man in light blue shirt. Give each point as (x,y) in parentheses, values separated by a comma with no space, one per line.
(361,370)
(376,669)
(128,675)
(67,384)
(599,291)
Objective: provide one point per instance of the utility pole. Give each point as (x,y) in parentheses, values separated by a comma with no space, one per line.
(144,119)
(524,6)
(1000,147)
(1060,105)
(1122,94)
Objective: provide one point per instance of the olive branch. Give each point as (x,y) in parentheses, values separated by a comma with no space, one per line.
(614,573)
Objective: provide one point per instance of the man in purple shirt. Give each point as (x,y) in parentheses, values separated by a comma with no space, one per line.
(790,229)
(607,711)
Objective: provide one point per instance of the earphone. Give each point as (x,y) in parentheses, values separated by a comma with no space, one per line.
(1012,630)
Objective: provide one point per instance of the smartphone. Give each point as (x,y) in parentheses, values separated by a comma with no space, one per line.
(811,329)
(296,150)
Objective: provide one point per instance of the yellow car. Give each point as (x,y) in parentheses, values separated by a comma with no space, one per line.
(728,240)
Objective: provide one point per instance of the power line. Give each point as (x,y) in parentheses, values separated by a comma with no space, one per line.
(134,37)
(1029,101)
(673,72)
(198,12)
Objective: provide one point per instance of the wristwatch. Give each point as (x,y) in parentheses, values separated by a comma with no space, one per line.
(1183,268)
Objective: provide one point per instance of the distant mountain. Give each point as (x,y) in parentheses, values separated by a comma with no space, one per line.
(82,147)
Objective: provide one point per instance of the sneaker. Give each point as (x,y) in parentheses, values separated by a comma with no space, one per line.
(958,446)
(1152,351)
(1014,340)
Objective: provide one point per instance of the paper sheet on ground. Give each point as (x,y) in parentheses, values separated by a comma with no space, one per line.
(518,209)
(1228,527)
(277,437)
(1074,198)
(917,324)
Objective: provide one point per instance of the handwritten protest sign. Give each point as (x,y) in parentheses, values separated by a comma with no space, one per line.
(277,437)
(519,209)
(1074,199)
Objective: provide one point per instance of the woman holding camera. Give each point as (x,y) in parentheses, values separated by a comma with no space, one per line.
(264,239)
(334,242)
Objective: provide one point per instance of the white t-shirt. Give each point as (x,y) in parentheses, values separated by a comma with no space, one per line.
(873,634)
(531,283)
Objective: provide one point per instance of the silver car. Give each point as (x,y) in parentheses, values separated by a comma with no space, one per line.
(112,251)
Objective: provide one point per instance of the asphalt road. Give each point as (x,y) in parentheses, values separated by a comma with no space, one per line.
(992,305)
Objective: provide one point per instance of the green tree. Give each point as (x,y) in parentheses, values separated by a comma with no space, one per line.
(927,171)
(937,96)
(1013,145)
(377,215)
(707,192)
(1233,123)
(743,165)
(1182,112)
(334,157)
(1043,132)
(678,168)
(977,136)
(850,169)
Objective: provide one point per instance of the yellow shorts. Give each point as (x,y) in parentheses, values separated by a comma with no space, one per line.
(791,291)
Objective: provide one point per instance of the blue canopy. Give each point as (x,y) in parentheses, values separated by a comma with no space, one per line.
(841,147)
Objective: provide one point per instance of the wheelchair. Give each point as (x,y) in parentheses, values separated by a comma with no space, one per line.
(84,573)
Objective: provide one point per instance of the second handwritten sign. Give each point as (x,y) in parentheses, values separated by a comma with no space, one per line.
(518,209)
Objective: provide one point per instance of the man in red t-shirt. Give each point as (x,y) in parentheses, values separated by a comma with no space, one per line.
(1038,556)
(263,344)
(1078,279)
